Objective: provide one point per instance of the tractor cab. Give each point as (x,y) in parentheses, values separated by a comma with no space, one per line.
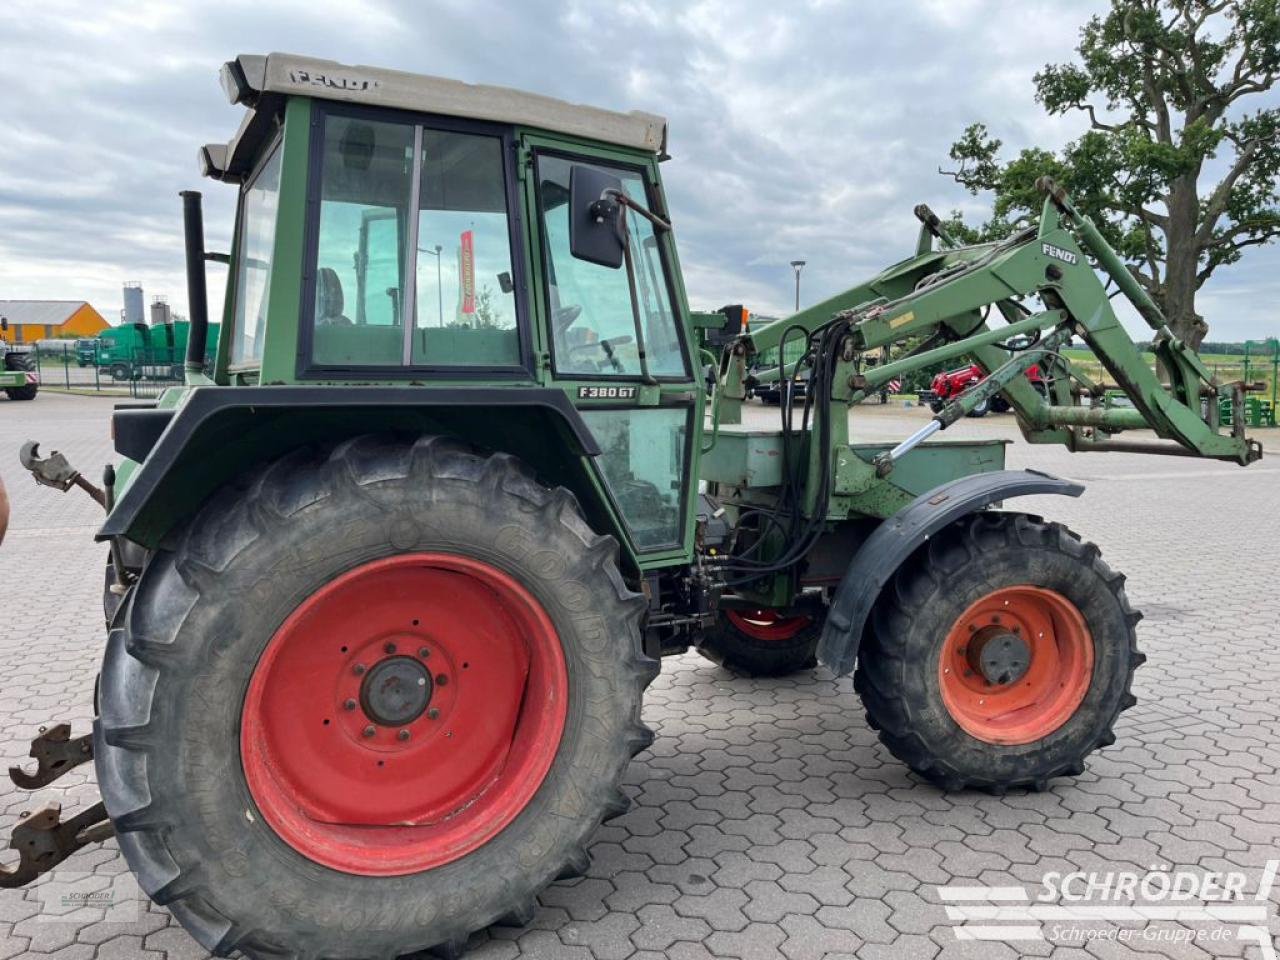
(435,241)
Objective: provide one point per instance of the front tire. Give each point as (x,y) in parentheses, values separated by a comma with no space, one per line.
(1000,655)
(761,642)
(297,614)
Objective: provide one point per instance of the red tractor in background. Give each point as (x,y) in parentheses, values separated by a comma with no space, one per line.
(951,383)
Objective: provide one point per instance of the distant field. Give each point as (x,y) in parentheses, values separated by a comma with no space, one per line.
(1225,366)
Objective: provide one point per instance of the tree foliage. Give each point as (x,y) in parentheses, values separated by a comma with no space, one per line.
(1179,166)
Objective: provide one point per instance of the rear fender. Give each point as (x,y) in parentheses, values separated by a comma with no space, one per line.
(217,433)
(879,558)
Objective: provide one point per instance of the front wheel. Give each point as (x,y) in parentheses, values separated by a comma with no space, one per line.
(1000,656)
(762,642)
(371,701)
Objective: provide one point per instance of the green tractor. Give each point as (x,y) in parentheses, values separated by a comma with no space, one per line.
(386,588)
(18,377)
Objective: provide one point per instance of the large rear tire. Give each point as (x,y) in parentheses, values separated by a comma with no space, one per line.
(762,643)
(370,702)
(27,363)
(1000,655)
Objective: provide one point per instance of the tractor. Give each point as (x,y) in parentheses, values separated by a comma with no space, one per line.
(385,588)
(18,377)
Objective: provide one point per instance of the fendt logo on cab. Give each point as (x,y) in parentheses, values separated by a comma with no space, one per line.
(358,84)
(1066,256)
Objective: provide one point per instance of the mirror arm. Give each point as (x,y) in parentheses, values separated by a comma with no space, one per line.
(630,204)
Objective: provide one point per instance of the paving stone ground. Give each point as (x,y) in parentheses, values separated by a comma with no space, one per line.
(768,821)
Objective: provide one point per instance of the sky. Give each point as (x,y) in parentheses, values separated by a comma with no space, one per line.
(798,130)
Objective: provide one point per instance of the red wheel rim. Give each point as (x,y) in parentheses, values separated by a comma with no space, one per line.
(1039,632)
(765,624)
(404,714)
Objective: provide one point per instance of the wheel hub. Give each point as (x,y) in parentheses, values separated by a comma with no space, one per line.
(396,691)
(1003,658)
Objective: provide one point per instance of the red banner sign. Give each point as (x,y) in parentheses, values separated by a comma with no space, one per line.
(468,273)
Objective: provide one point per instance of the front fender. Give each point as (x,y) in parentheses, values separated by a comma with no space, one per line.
(897,538)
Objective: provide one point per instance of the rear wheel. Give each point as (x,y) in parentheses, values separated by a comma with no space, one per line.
(1000,655)
(980,410)
(389,694)
(27,363)
(761,642)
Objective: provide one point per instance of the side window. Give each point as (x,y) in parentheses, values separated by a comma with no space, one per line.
(396,285)
(366,168)
(466,309)
(253,272)
(592,327)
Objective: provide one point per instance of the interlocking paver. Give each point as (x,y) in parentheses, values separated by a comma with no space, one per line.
(768,821)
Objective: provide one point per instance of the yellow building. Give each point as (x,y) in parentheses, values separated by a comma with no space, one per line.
(30,320)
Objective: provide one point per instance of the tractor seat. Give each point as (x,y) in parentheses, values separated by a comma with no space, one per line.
(329,299)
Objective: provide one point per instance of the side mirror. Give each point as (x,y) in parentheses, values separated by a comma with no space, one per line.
(596,233)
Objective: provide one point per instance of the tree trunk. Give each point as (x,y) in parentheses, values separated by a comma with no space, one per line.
(1182,264)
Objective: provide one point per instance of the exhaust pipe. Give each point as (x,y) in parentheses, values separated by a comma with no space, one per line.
(197,291)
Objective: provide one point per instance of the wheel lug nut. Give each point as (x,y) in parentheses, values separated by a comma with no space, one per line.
(369,731)
(441,680)
(402,735)
(390,648)
(433,714)
(424,653)
(349,705)
(358,669)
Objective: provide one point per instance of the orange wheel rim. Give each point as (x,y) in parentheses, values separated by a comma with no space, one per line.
(1016,665)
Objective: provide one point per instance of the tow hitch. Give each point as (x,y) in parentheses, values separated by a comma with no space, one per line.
(43,840)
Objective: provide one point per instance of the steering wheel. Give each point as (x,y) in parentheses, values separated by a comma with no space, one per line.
(607,346)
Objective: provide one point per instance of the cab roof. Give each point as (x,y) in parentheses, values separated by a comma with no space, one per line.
(262,82)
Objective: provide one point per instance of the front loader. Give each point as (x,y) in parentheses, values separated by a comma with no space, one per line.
(384,591)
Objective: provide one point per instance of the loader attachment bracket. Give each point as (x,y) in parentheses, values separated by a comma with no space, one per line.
(898,537)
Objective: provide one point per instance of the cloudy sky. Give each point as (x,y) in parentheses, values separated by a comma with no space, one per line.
(798,129)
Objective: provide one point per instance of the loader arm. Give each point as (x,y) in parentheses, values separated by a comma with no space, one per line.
(947,298)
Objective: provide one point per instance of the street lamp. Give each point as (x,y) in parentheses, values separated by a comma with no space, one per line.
(439,281)
(797,266)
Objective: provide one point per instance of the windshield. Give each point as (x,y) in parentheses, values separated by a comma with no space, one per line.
(592,327)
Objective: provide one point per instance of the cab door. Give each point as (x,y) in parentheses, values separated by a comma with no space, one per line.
(627,364)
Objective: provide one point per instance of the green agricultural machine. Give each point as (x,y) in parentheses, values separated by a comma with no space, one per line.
(18,378)
(385,590)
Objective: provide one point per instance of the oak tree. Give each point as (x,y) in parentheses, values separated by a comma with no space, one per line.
(1180,162)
